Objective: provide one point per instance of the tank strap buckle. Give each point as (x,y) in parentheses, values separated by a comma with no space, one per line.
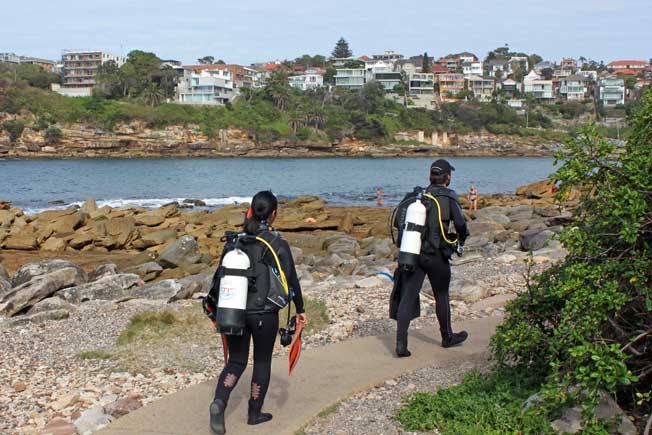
(223,271)
(411,226)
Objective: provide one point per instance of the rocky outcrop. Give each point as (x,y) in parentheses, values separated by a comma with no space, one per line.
(109,288)
(137,140)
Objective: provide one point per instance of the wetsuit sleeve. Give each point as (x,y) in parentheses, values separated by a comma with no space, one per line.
(287,263)
(459,221)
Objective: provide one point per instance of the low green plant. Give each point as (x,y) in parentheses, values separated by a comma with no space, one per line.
(14,128)
(149,322)
(53,135)
(100,354)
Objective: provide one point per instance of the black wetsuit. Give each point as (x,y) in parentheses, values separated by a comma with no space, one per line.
(432,263)
(262,326)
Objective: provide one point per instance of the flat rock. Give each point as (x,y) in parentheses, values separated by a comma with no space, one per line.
(532,240)
(54,244)
(43,317)
(92,420)
(30,271)
(493,302)
(122,407)
(369,282)
(168,290)
(468,292)
(59,426)
(102,271)
(26,295)
(149,219)
(147,271)
(109,288)
(50,304)
(158,237)
(21,242)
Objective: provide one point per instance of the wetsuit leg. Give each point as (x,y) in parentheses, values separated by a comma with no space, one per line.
(411,286)
(264,329)
(438,270)
(238,357)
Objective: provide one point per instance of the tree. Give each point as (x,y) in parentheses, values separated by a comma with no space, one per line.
(547,73)
(278,90)
(53,135)
(152,95)
(139,71)
(220,62)
(534,59)
(206,60)
(342,50)
(329,75)
(427,64)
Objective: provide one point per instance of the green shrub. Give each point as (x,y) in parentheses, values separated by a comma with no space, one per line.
(482,404)
(40,124)
(583,324)
(53,135)
(15,129)
(304,133)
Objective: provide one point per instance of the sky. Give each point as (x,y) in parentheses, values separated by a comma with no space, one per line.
(248,31)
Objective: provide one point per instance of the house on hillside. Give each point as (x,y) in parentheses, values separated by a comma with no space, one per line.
(306,80)
(208,85)
(388,56)
(510,88)
(482,88)
(632,65)
(450,84)
(499,67)
(350,78)
(540,89)
(421,83)
(574,88)
(610,91)
(80,69)
(472,68)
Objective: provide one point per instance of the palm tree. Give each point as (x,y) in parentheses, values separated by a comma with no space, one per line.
(152,95)
(278,90)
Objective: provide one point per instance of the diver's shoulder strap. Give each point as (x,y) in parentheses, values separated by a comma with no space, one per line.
(284,281)
(441,223)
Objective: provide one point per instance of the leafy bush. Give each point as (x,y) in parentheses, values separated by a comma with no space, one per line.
(53,135)
(584,327)
(482,404)
(14,128)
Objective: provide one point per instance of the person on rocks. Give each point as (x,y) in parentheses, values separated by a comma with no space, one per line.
(473,198)
(262,322)
(433,262)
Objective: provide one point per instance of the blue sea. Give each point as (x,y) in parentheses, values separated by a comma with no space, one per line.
(36,185)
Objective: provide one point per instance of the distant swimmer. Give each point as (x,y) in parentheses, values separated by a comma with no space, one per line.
(379,196)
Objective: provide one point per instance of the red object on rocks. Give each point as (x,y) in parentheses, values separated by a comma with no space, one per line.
(59,426)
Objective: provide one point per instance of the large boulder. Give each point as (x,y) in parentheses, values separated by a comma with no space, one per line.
(29,271)
(41,317)
(40,287)
(109,288)
(150,219)
(54,244)
(342,244)
(5,286)
(168,290)
(536,190)
(468,292)
(121,229)
(102,271)
(158,237)
(22,242)
(481,227)
(532,240)
(90,206)
(51,304)
(346,224)
(65,225)
(3,273)
(147,271)
(183,251)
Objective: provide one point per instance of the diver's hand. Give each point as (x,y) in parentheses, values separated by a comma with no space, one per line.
(302,318)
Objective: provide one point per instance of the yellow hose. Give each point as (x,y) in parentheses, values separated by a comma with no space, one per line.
(286,288)
(441,224)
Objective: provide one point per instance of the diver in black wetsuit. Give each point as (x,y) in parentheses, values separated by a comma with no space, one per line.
(262,322)
(433,262)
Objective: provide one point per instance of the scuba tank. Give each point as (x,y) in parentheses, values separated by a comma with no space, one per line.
(233,289)
(415,220)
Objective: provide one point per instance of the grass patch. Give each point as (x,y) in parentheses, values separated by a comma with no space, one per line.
(329,410)
(95,354)
(317,313)
(482,404)
(150,323)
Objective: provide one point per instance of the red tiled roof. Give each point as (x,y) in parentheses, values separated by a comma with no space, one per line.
(364,58)
(627,72)
(437,68)
(273,66)
(617,63)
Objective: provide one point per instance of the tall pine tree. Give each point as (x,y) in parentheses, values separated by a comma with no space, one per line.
(426,67)
(342,50)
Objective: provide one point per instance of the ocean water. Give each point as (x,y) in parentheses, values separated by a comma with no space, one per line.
(36,185)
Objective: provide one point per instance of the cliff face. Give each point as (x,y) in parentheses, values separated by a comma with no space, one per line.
(136,140)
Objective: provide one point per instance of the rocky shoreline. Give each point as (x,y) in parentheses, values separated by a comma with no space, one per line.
(68,365)
(136,140)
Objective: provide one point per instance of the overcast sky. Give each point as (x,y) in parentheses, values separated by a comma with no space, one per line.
(258,30)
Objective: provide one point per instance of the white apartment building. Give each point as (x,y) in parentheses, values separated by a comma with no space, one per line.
(541,89)
(9,57)
(210,85)
(350,78)
(472,69)
(421,83)
(611,91)
(309,79)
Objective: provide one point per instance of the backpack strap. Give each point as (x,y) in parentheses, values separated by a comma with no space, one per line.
(441,223)
(284,281)
(222,271)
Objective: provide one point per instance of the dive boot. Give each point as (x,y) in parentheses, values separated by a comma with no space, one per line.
(401,346)
(217,417)
(255,416)
(455,339)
